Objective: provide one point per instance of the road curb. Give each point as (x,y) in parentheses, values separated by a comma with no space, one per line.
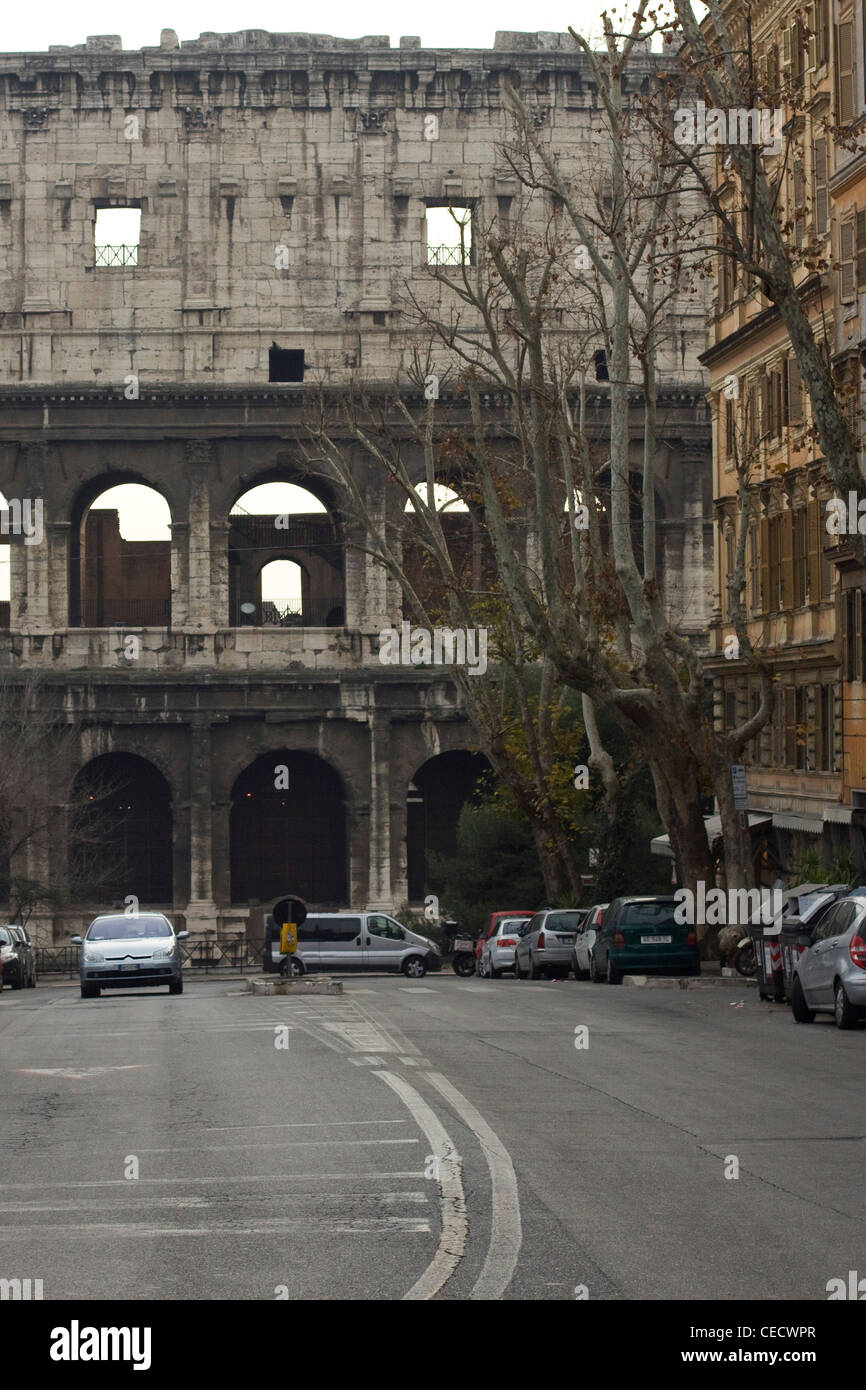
(688,981)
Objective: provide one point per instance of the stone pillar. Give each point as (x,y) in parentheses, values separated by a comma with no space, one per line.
(379,886)
(34,606)
(58,573)
(179,574)
(201,912)
(198,457)
(219,572)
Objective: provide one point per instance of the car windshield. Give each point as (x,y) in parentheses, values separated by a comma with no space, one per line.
(127,928)
(5,939)
(564,921)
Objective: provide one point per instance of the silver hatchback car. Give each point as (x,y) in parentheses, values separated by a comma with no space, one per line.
(830,975)
(545,945)
(130,950)
(497,953)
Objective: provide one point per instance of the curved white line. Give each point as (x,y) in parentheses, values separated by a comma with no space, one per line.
(452,1241)
(506,1232)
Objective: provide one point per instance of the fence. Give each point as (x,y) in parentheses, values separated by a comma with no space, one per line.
(233,954)
(116,255)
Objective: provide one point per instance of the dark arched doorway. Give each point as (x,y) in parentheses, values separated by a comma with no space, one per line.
(120,834)
(289,838)
(437,794)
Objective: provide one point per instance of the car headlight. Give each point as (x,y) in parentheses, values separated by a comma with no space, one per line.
(93,957)
(163,953)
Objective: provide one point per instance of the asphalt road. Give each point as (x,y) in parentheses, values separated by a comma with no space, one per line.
(441,1138)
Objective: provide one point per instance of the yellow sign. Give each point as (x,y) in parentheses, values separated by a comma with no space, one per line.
(288,939)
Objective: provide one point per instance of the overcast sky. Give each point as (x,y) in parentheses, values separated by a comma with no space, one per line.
(447,24)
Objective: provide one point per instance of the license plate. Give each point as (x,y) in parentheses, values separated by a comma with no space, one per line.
(566,940)
(656,940)
(129,965)
(464,945)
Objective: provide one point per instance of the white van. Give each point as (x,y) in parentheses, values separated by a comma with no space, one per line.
(354,941)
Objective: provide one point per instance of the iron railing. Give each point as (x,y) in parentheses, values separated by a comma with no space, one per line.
(116,255)
(233,954)
(126,612)
(448,255)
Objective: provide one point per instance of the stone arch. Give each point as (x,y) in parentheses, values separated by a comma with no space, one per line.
(120,830)
(288,830)
(437,792)
(113,581)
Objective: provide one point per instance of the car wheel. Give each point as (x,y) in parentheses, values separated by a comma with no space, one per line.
(494,974)
(799,1008)
(176,987)
(534,970)
(90,991)
(594,974)
(613,977)
(291,968)
(414,968)
(844,1011)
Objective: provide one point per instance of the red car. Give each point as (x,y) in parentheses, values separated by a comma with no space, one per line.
(493,921)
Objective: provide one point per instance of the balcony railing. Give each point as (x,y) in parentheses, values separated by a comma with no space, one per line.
(290,612)
(126,612)
(448,255)
(117,255)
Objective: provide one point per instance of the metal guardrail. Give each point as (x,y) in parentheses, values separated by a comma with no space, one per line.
(230,954)
(116,255)
(448,255)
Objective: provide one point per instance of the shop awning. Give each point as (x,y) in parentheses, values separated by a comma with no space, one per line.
(662,844)
(796,820)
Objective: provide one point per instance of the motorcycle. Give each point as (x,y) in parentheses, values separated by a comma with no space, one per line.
(745,958)
(464,962)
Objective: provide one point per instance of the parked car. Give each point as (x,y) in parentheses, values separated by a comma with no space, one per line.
(498,948)
(640,935)
(585,940)
(493,922)
(358,941)
(129,951)
(830,975)
(545,945)
(17,958)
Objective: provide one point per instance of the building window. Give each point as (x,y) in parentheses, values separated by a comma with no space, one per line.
(449,234)
(852,635)
(116,236)
(730,426)
(845,69)
(285,364)
(819,175)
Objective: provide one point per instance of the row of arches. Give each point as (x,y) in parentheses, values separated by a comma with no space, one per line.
(123,826)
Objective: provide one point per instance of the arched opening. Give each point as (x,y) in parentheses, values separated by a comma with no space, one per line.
(437,794)
(465,536)
(120,833)
(288,831)
(120,558)
(5,572)
(278,524)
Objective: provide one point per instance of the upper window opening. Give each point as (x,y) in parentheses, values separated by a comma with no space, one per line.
(445,499)
(285,364)
(117,235)
(449,235)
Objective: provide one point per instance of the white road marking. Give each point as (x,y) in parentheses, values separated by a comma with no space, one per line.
(201,1203)
(506,1234)
(44,1184)
(416,989)
(371,1225)
(452,1241)
(301,1124)
(280,1144)
(367,1061)
(362,1036)
(69,1073)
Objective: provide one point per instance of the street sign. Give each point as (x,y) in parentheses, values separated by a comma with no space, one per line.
(738,783)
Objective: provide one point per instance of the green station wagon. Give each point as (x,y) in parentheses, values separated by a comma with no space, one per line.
(639,936)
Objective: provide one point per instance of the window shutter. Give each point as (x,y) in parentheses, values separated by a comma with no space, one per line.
(846,261)
(861,247)
(812,24)
(754,571)
(793,392)
(790,726)
(847,624)
(787,557)
(857,638)
(799,207)
(764,556)
(786,47)
(777,404)
(845,72)
(766,412)
(813,550)
(820,201)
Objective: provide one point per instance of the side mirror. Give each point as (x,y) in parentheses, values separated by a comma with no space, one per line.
(76,940)
(181,935)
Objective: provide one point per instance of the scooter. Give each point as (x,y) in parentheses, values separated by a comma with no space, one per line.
(464,962)
(745,958)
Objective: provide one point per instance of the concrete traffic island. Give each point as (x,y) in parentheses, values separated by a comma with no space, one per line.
(321,985)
